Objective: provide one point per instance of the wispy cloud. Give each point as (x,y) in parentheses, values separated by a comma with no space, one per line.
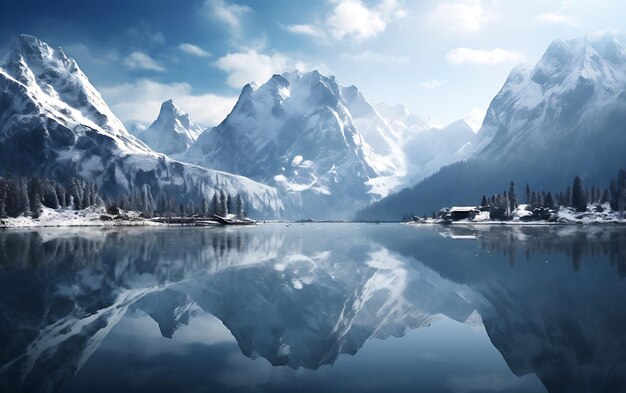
(231,14)
(142,61)
(306,29)
(375,57)
(245,67)
(559,17)
(483,57)
(193,50)
(475,118)
(140,101)
(465,16)
(433,83)
(556,18)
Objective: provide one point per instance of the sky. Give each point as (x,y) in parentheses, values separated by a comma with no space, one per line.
(444,60)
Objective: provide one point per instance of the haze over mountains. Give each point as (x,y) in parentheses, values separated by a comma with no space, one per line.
(565,116)
(302,145)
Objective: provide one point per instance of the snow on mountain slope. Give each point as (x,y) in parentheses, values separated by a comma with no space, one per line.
(405,124)
(575,93)
(54,122)
(432,149)
(296,132)
(562,118)
(172,132)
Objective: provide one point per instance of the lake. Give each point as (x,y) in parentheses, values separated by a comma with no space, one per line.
(314,307)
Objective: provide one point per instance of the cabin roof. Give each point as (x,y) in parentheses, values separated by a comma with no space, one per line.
(463,209)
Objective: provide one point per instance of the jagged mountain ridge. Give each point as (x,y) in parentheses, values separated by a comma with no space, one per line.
(295,132)
(172,132)
(564,117)
(322,143)
(53,122)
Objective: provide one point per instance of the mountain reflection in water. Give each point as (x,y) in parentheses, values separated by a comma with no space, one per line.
(550,298)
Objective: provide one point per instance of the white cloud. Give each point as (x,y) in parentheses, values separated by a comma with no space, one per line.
(141,100)
(193,50)
(483,57)
(460,16)
(353,19)
(375,57)
(306,29)
(245,67)
(433,83)
(84,53)
(475,118)
(227,13)
(141,61)
(556,18)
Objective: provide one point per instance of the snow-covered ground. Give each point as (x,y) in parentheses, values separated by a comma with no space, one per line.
(92,216)
(564,215)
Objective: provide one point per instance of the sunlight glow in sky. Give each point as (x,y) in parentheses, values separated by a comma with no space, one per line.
(444,60)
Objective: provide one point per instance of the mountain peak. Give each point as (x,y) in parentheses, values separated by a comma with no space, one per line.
(168,108)
(172,132)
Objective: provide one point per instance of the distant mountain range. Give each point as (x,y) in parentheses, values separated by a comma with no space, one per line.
(302,145)
(565,116)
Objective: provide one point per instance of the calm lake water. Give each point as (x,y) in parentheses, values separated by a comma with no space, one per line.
(312,308)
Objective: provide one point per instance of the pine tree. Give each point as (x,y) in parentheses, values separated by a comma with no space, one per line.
(579,201)
(512,196)
(568,197)
(3,197)
(484,202)
(240,213)
(592,198)
(548,202)
(204,207)
(230,204)
(534,201)
(223,207)
(35,205)
(605,196)
(86,200)
(527,191)
(24,200)
(215,203)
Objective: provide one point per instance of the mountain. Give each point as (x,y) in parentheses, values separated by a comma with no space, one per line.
(172,132)
(433,148)
(323,144)
(297,133)
(565,116)
(53,122)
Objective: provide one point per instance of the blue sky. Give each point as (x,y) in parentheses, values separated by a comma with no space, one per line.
(441,59)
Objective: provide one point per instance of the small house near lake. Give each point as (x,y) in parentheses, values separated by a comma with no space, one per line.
(457,213)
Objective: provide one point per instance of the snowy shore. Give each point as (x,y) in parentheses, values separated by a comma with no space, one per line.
(67,217)
(562,216)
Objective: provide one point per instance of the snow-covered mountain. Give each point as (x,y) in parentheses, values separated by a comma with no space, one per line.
(565,116)
(324,144)
(172,132)
(54,122)
(296,132)
(575,95)
(431,149)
